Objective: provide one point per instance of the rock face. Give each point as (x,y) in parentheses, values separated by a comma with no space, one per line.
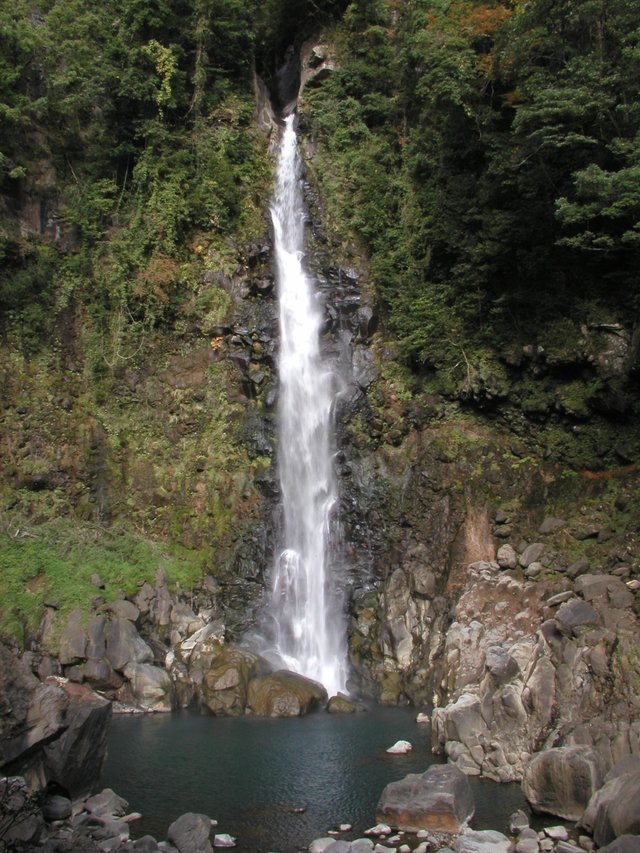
(614,809)
(284,694)
(528,663)
(55,733)
(439,800)
(561,781)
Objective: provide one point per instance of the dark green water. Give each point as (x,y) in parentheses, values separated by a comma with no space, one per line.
(250,773)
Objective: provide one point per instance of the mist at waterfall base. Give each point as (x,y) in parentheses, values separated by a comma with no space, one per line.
(250,774)
(303,627)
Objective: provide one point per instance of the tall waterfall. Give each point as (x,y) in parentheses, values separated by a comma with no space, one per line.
(308,622)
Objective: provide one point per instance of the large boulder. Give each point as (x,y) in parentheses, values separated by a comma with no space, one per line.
(439,800)
(124,645)
(74,759)
(562,780)
(284,694)
(31,713)
(615,809)
(190,833)
(72,645)
(225,686)
(151,686)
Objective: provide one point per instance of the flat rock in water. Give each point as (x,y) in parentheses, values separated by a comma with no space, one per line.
(224,840)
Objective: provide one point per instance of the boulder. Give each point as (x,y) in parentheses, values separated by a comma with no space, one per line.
(123,609)
(507,557)
(33,724)
(225,686)
(576,614)
(531,554)
(615,809)
(500,664)
(106,803)
(485,841)
(150,685)
(284,694)
(74,759)
(562,780)
(439,800)
(72,645)
(623,844)
(190,833)
(56,807)
(341,704)
(124,645)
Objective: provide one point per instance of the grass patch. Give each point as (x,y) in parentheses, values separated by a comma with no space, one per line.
(52,564)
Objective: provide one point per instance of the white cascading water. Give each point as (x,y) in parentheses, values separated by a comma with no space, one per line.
(308,621)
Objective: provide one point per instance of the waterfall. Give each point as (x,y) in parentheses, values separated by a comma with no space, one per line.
(308,625)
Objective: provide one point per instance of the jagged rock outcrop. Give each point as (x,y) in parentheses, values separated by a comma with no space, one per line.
(530,663)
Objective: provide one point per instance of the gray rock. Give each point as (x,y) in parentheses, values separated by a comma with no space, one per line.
(123,609)
(124,645)
(531,554)
(486,841)
(561,781)
(190,833)
(575,614)
(518,821)
(56,807)
(362,845)
(500,664)
(578,568)
(151,686)
(438,800)
(339,846)
(320,845)
(507,557)
(615,809)
(223,839)
(624,844)
(550,524)
(607,588)
(95,638)
(75,758)
(146,844)
(107,802)
(527,845)
(73,641)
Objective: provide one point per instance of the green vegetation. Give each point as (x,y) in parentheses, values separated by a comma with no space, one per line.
(54,566)
(485,154)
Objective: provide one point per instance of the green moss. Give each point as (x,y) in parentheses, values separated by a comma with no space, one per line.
(52,564)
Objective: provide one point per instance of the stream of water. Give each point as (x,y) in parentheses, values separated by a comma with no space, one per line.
(305,630)
(251,774)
